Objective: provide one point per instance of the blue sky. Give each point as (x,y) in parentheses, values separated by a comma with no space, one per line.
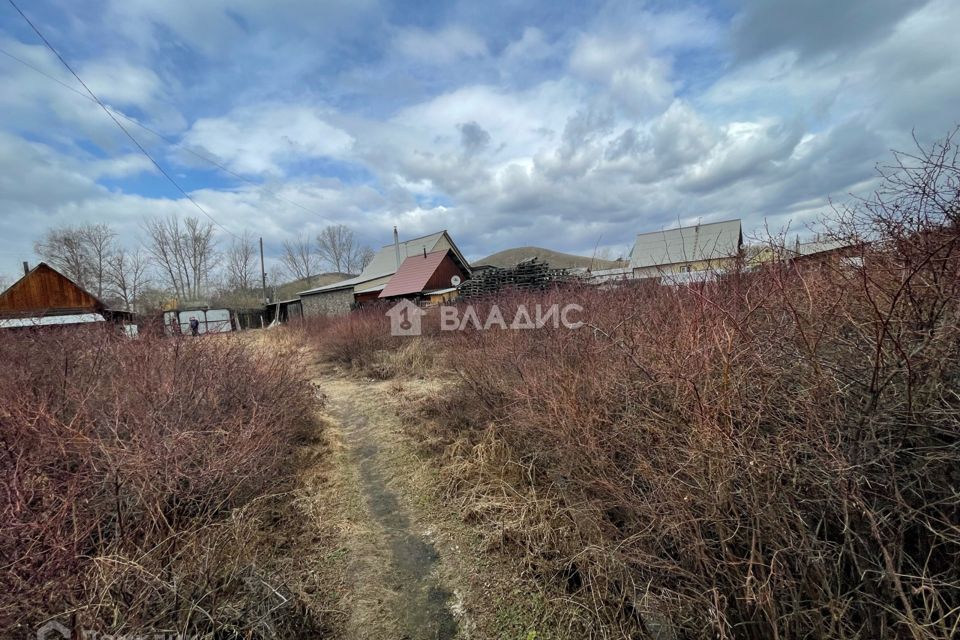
(559,124)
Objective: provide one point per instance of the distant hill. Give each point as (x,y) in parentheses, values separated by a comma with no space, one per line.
(556,259)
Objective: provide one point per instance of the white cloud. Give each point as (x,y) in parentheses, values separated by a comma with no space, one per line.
(120,83)
(57,106)
(439,48)
(422,145)
(532,45)
(635,79)
(895,83)
(681,136)
(212,26)
(507,133)
(268,138)
(746,149)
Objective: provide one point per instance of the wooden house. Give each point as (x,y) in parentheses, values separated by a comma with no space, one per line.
(340,297)
(46,297)
(426,278)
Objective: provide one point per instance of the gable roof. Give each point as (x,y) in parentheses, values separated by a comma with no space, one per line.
(708,241)
(413,274)
(44,290)
(384,263)
(813,247)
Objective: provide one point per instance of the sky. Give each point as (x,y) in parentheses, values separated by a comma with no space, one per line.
(572,125)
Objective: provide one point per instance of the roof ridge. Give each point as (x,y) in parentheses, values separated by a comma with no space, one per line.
(435,233)
(692,226)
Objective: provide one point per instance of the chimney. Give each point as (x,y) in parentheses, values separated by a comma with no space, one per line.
(424,252)
(396,244)
(26,268)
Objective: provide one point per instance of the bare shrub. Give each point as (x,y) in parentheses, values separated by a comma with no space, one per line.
(354,341)
(361,342)
(139,480)
(772,455)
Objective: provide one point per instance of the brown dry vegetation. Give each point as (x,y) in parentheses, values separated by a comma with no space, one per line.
(361,343)
(775,455)
(145,486)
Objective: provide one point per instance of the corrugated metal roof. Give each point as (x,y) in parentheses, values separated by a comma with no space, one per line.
(384,263)
(413,274)
(343,284)
(708,241)
(818,246)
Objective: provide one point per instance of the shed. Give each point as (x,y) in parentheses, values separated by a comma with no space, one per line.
(289,310)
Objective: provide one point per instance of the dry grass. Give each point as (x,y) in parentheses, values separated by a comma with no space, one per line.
(355,342)
(361,343)
(146,484)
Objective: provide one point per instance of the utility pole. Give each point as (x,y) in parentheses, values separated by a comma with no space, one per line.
(263,274)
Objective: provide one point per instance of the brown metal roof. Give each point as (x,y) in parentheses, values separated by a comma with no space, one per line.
(414,274)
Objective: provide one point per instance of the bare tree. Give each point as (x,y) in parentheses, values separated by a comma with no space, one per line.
(340,251)
(98,240)
(81,253)
(185,253)
(65,250)
(299,258)
(240,259)
(361,259)
(127,275)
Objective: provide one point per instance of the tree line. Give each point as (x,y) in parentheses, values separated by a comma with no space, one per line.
(335,249)
(187,261)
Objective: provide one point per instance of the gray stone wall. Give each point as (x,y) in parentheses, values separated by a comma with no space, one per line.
(327,303)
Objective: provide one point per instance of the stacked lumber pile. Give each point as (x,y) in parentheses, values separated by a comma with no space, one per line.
(529,275)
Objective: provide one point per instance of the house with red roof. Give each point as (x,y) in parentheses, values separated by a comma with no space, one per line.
(340,297)
(426,277)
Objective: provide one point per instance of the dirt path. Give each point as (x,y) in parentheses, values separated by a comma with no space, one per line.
(401,561)
(393,570)
(381,550)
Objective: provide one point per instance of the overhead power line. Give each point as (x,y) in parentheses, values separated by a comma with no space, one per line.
(166,139)
(117,122)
